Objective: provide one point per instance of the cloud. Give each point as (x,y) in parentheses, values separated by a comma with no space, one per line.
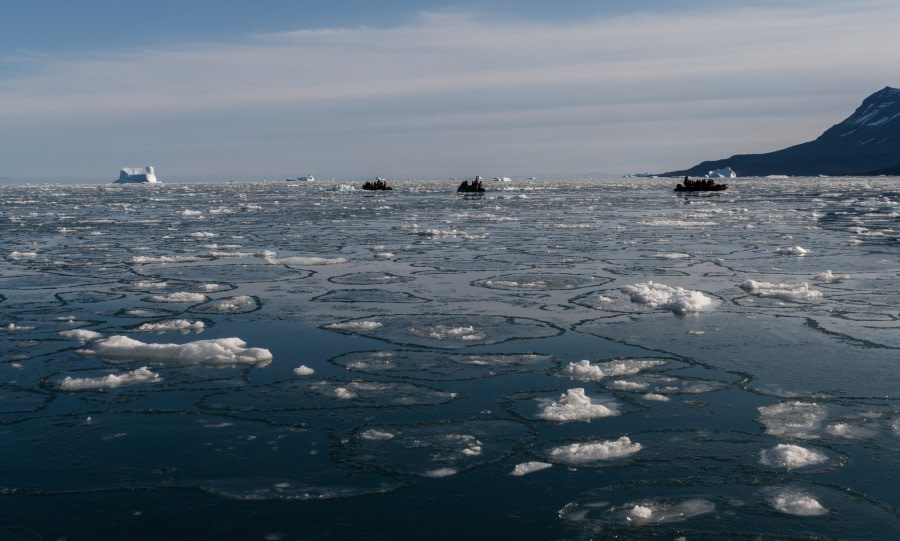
(645,81)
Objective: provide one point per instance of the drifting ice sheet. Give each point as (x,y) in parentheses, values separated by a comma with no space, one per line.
(217,352)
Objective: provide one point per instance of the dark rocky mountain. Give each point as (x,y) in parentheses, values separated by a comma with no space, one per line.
(866,143)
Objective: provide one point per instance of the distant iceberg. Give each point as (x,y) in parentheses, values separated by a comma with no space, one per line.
(137,174)
(307,178)
(721,173)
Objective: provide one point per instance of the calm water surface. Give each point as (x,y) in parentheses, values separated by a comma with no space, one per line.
(552,359)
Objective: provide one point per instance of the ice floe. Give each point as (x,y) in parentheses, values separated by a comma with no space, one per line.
(303,370)
(239,304)
(793,419)
(375,434)
(180,297)
(448,332)
(664,512)
(792,250)
(795,502)
(441,365)
(110,381)
(829,277)
(216,352)
(590,452)
(584,370)
(82,335)
(574,405)
(676,299)
(270,259)
(529,467)
(354,325)
(183,326)
(785,292)
(22,255)
(789,456)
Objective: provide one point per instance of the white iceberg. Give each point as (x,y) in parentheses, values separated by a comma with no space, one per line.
(725,172)
(128,175)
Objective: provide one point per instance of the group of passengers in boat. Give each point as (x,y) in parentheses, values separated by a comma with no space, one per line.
(379,184)
(473,186)
(699,184)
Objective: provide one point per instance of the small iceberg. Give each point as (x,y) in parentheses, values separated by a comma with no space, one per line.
(725,172)
(130,175)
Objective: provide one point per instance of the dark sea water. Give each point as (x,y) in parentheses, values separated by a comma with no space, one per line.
(551,359)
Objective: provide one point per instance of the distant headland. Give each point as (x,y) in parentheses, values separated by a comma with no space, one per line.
(866,143)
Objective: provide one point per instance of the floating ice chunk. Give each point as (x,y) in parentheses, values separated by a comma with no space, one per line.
(792,250)
(663,512)
(676,299)
(796,502)
(230,305)
(145,284)
(181,325)
(671,255)
(574,405)
(22,255)
(435,232)
(625,385)
(82,335)
(344,393)
(216,352)
(792,419)
(138,375)
(676,223)
(529,467)
(577,454)
(656,396)
(849,431)
(376,435)
(270,259)
(785,292)
(790,456)
(354,326)
(584,370)
(180,296)
(12,327)
(203,234)
(149,260)
(640,512)
(829,277)
(448,332)
(440,472)
(304,370)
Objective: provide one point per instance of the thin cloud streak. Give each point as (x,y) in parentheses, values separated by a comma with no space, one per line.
(454,72)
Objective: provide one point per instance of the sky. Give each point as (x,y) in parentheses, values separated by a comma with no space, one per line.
(214,90)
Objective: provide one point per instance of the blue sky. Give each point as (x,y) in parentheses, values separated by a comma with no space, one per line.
(227,89)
